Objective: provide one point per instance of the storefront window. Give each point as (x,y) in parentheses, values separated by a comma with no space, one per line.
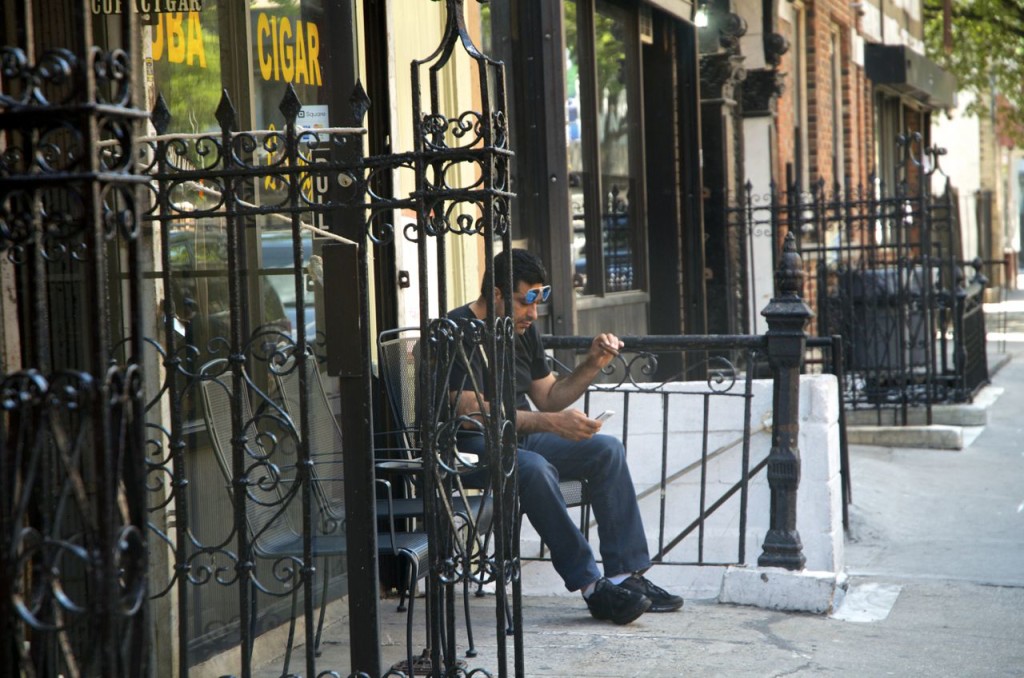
(602,136)
(253,50)
(285,48)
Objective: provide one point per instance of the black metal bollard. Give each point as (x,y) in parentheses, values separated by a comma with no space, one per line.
(787,315)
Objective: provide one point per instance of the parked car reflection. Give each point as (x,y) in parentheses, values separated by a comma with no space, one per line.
(200,293)
(277,254)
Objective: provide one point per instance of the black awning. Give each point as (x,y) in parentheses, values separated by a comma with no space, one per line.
(904,70)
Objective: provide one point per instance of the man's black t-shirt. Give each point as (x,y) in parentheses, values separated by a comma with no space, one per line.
(530,362)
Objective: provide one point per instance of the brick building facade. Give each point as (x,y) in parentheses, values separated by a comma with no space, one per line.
(849,78)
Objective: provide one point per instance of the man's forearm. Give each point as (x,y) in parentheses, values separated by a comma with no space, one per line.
(571,387)
(527,421)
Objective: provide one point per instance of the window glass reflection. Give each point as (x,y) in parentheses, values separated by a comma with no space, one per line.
(615,49)
(574,143)
(287,49)
(186,66)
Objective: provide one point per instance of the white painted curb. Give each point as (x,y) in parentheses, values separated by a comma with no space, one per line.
(778,589)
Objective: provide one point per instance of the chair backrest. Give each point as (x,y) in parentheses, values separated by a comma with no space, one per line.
(326,452)
(399,364)
(325,441)
(269,494)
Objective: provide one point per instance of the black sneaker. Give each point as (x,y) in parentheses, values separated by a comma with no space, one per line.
(661,600)
(615,603)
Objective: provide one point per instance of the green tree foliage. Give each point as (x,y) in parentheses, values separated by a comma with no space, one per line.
(986,54)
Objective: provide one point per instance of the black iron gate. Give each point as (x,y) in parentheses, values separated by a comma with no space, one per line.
(887,274)
(258,496)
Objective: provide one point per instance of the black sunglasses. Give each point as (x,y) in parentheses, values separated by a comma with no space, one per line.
(531,295)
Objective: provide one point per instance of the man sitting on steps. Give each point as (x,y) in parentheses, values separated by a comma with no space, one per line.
(558,443)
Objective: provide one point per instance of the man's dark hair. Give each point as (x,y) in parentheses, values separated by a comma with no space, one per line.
(526,267)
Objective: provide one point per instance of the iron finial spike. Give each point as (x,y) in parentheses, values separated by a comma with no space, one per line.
(161,115)
(360,103)
(290,105)
(226,114)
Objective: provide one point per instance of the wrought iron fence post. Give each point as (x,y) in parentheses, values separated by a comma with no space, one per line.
(73,546)
(787,316)
(447,208)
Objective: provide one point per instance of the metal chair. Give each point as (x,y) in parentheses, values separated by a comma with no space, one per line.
(326,452)
(268,491)
(399,365)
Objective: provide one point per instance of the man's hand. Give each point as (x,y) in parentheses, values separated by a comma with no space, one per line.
(604,349)
(574,425)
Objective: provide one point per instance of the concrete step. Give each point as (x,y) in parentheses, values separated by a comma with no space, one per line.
(952,426)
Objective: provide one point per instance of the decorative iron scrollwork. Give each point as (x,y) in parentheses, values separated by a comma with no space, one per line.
(48,82)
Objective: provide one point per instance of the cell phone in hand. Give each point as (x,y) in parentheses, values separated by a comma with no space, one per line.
(604,416)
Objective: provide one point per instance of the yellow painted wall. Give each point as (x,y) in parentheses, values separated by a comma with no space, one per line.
(414,34)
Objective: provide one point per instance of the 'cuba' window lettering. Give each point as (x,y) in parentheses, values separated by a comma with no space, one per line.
(180,35)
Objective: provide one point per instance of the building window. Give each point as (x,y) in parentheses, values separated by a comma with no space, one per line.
(800,115)
(603,139)
(838,137)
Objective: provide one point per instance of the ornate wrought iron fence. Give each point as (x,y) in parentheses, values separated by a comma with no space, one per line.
(970,353)
(231,338)
(886,273)
(75,420)
(448,207)
(227,329)
(672,431)
(692,437)
(73,544)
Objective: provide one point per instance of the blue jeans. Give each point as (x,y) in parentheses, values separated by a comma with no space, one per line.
(544,459)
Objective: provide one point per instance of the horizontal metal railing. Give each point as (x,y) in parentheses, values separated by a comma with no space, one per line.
(666,426)
(712,367)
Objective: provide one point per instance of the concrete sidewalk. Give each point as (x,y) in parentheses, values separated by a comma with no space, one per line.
(935,556)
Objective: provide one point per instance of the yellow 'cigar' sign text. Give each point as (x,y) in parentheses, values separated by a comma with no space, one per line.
(288,50)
